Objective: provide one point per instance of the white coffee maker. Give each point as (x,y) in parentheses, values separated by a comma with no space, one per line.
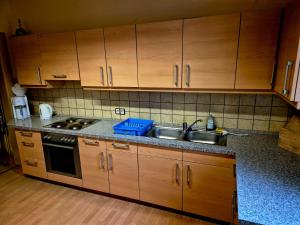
(20,103)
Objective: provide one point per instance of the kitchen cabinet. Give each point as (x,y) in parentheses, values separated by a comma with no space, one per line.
(120,46)
(91,58)
(159,52)
(31,153)
(209,187)
(58,56)
(26,58)
(160,176)
(93,164)
(287,82)
(123,169)
(257,49)
(210,47)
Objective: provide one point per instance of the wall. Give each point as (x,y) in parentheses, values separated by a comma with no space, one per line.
(65,15)
(252,112)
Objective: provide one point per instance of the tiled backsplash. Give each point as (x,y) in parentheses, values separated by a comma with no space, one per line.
(243,111)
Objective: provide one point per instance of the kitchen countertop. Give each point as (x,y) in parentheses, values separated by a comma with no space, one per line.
(268,177)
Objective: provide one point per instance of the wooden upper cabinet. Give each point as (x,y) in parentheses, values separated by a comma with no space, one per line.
(287,77)
(59,56)
(91,58)
(210,51)
(26,57)
(257,49)
(120,46)
(159,51)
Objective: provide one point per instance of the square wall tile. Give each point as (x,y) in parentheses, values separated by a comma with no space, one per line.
(203,99)
(166,97)
(279,113)
(263,100)
(155,117)
(246,99)
(217,110)
(106,114)
(166,118)
(231,111)
(202,110)
(277,101)
(190,109)
(104,95)
(219,121)
(232,99)
(166,108)
(96,95)
(98,113)
(246,112)
(124,95)
(245,124)
(178,108)
(189,119)
(89,112)
(134,96)
(146,116)
(178,97)
(154,107)
(275,126)
(230,123)
(178,119)
(154,97)
(97,104)
(114,95)
(261,125)
(134,106)
(217,99)
(262,113)
(81,112)
(144,96)
(190,98)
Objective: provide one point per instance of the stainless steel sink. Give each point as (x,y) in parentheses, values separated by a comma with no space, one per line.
(170,133)
(206,137)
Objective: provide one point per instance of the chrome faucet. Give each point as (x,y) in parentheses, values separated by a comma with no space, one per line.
(187,128)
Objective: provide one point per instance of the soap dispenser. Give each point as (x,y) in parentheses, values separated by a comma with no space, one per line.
(210,125)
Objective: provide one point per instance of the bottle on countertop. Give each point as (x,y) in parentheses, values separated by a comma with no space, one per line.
(210,125)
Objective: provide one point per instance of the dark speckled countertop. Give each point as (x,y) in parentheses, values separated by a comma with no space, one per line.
(268,177)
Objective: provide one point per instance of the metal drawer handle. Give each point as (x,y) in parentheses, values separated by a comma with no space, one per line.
(60,76)
(110,75)
(38,74)
(110,162)
(121,146)
(101,74)
(177,173)
(289,64)
(92,143)
(26,144)
(26,134)
(187,75)
(188,177)
(175,75)
(101,161)
(33,164)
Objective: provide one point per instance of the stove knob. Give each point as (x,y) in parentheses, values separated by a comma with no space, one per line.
(73,140)
(62,139)
(49,137)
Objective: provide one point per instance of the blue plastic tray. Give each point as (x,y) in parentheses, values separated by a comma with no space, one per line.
(133,126)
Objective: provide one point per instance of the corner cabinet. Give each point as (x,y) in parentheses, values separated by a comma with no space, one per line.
(159,52)
(59,56)
(91,58)
(287,78)
(26,57)
(210,47)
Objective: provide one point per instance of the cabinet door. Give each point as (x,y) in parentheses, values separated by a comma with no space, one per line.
(208,190)
(93,164)
(59,56)
(210,51)
(289,54)
(120,46)
(26,58)
(31,153)
(159,50)
(257,49)
(91,58)
(161,181)
(123,169)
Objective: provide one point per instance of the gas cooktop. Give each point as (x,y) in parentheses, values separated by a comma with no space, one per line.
(72,123)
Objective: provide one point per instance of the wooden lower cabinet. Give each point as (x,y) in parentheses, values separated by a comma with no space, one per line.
(123,169)
(93,164)
(161,181)
(31,153)
(209,190)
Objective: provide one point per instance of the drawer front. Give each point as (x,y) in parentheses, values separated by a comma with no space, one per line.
(208,159)
(121,146)
(28,136)
(91,143)
(34,167)
(160,152)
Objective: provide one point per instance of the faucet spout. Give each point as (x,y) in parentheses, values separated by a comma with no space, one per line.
(187,129)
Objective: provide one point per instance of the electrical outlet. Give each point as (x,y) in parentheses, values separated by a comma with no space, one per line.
(117,111)
(122,111)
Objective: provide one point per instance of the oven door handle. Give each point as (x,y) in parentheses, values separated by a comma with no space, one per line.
(58,146)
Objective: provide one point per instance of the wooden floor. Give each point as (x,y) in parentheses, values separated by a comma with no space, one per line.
(28,201)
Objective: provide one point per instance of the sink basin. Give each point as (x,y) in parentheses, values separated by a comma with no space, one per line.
(206,137)
(170,133)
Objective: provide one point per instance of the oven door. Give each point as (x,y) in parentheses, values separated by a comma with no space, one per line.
(62,159)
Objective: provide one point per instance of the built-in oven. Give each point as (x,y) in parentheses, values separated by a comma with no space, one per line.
(61,154)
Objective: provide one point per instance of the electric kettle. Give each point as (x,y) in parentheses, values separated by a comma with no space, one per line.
(46,111)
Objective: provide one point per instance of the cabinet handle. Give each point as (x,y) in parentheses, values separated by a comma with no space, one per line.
(101,161)
(92,143)
(110,162)
(175,75)
(101,75)
(188,176)
(38,74)
(289,64)
(187,74)
(33,164)
(110,75)
(26,134)
(26,144)
(121,146)
(60,76)
(177,173)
